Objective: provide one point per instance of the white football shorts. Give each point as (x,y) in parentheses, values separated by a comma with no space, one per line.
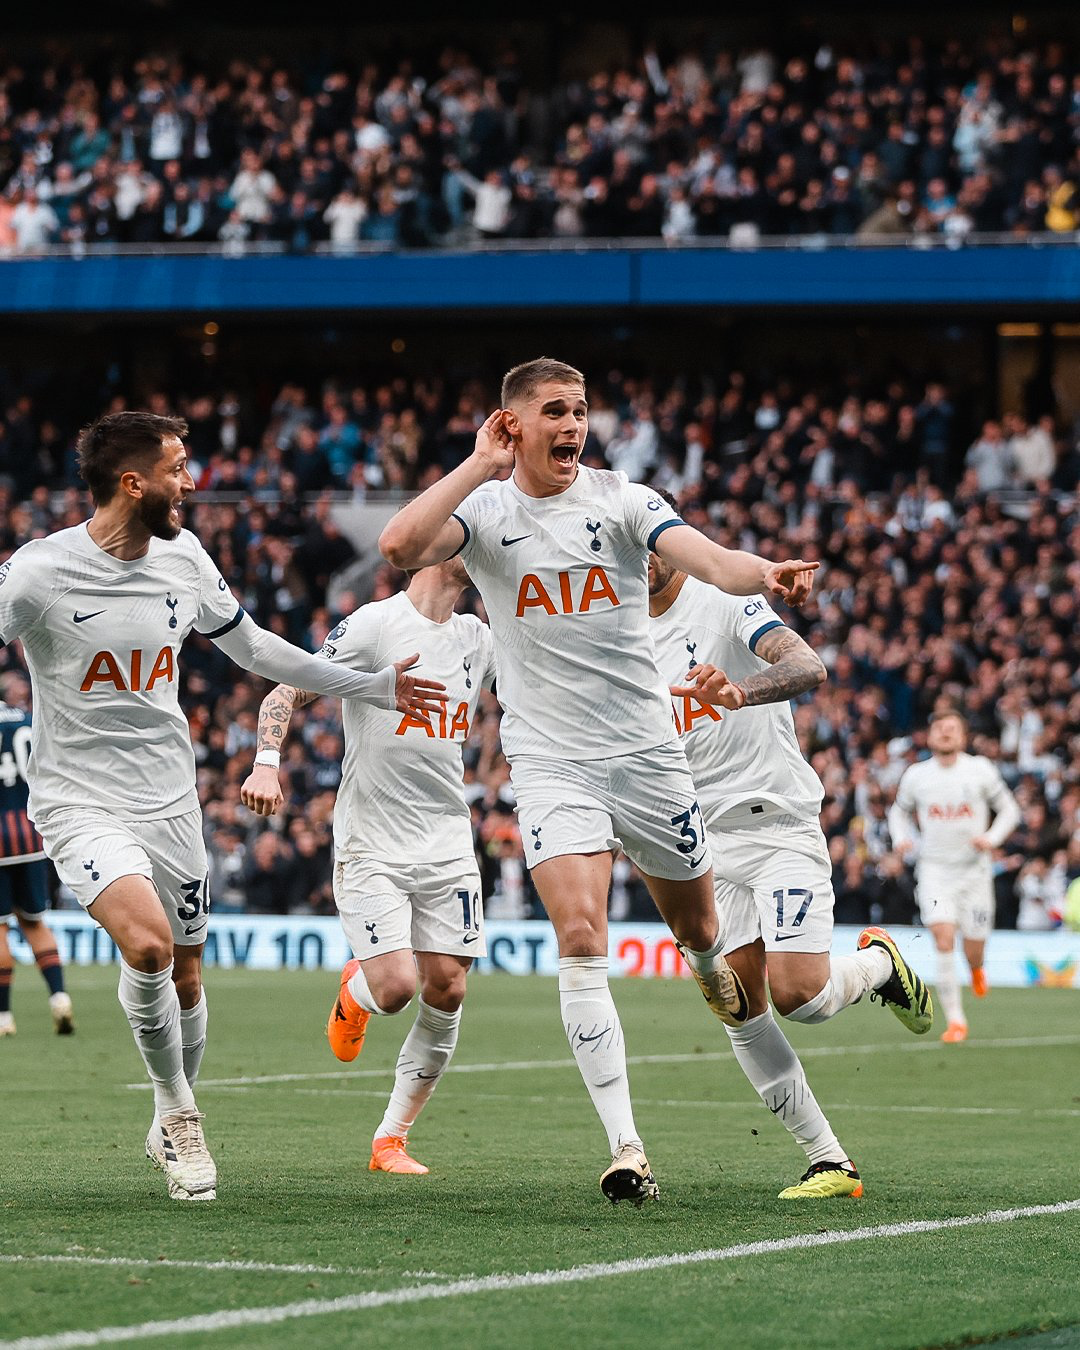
(92,849)
(773,879)
(963,896)
(422,907)
(643,803)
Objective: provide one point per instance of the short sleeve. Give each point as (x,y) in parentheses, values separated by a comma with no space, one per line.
(354,641)
(471,515)
(647,516)
(218,611)
(752,618)
(24,593)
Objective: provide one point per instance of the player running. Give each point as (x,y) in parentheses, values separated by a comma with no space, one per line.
(406,882)
(771,868)
(102,610)
(559,554)
(24,879)
(950,796)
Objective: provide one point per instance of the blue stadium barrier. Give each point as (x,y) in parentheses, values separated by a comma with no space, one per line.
(510,280)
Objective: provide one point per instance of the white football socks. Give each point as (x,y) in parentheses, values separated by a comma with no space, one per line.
(706,962)
(423,1059)
(361,991)
(774,1070)
(153,1009)
(948,987)
(596,1038)
(849,978)
(193,1037)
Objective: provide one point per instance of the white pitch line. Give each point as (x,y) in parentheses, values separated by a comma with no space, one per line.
(267,1267)
(806,1052)
(228,1318)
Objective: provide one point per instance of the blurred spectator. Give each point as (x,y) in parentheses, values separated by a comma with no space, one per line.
(825,138)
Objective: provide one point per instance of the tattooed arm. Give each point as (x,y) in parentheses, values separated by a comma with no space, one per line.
(794,668)
(261,791)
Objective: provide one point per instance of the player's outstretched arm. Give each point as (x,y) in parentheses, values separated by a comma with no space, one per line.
(265,654)
(261,790)
(733,570)
(423,531)
(794,668)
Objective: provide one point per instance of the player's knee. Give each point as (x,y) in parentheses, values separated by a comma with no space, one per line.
(788,998)
(148,951)
(394,992)
(580,937)
(446,993)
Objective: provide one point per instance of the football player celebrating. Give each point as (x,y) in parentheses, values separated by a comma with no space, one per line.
(559,553)
(771,868)
(102,610)
(406,882)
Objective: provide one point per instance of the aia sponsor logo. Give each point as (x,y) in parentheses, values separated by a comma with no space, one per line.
(128,676)
(962,811)
(595,590)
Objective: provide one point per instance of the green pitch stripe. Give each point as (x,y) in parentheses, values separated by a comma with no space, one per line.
(228,1319)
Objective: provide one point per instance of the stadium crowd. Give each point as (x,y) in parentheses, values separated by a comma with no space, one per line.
(949,572)
(915,137)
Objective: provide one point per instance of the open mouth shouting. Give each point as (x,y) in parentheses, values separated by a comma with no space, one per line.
(565,456)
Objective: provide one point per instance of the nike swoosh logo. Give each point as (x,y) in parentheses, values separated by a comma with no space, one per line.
(785,937)
(694,861)
(82,618)
(193,929)
(588,1040)
(517,540)
(470,937)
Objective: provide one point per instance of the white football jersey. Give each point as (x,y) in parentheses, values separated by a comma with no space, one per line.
(402,794)
(952,804)
(102,638)
(565,583)
(752,753)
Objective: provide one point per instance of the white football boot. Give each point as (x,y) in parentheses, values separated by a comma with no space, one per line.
(176,1145)
(7,1024)
(62,1013)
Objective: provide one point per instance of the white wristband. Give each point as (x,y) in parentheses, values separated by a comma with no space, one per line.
(271,757)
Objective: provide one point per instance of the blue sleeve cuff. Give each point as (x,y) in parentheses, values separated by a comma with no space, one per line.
(765,628)
(227,627)
(468,534)
(664,525)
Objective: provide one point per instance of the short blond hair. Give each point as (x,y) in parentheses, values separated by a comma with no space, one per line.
(521,383)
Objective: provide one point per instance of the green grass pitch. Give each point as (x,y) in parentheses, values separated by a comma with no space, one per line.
(516,1152)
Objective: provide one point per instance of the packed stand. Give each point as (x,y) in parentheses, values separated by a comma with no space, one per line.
(908,138)
(940,582)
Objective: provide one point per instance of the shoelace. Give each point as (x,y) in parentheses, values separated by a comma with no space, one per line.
(824,1167)
(186,1133)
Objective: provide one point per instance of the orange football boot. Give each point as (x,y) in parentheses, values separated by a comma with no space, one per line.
(388,1155)
(980,985)
(347,1023)
(954,1033)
